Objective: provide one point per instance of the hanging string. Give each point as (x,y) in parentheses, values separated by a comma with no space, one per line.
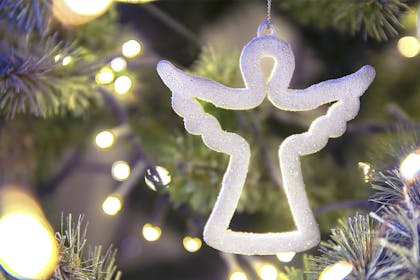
(269,12)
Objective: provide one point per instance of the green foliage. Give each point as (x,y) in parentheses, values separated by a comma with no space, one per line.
(374,18)
(79,262)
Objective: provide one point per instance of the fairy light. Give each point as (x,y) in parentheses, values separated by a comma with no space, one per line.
(57,58)
(238,275)
(267,272)
(28,249)
(112,205)
(151,232)
(105,76)
(88,7)
(104,139)
(337,271)
(122,85)
(408,46)
(131,48)
(67,60)
(120,170)
(192,244)
(164,176)
(118,64)
(285,256)
(365,167)
(410,166)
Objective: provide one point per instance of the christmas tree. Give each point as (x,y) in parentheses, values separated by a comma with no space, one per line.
(99,179)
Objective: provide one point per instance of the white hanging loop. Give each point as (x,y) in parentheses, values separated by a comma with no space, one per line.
(266,28)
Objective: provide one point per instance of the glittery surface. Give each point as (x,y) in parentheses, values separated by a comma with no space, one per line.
(186,89)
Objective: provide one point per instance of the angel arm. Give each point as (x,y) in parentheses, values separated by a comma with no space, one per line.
(350,86)
(189,86)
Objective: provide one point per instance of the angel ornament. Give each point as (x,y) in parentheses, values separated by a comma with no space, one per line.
(343,92)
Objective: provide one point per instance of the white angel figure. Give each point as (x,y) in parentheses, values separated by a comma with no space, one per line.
(187,89)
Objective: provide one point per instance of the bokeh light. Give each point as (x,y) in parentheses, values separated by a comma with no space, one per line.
(120,170)
(112,205)
(285,256)
(104,139)
(105,76)
(155,183)
(410,166)
(151,232)
(337,271)
(238,275)
(268,272)
(131,48)
(408,46)
(192,244)
(118,64)
(88,7)
(67,60)
(122,85)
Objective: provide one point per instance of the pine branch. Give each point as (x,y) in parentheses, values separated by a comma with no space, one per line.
(376,19)
(34,80)
(26,15)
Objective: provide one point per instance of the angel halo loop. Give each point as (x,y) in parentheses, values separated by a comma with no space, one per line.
(343,92)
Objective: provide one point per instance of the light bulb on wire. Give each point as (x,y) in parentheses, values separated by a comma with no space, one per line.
(131,48)
(104,139)
(104,76)
(410,166)
(122,85)
(151,232)
(192,244)
(285,256)
(408,46)
(112,205)
(337,271)
(118,64)
(120,170)
(267,271)
(238,275)
(28,249)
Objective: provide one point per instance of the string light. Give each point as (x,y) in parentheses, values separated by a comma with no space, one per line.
(28,249)
(122,85)
(408,46)
(67,60)
(365,169)
(285,256)
(57,58)
(156,183)
(410,166)
(267,272)
(131,48)
(118,64)
(120,170)
(151,232)
(238,275)
(104,139)
(88,7)
(192,244)
(105,76)
(112,205)
(337,271)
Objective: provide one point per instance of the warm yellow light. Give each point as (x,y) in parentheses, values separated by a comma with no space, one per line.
(57,57)
(28,249)
(337,271)
(105,76)
(131,48)
(409,46)
(67,60)
(120,170)
(104,139)
(151,233)
(122,85)
(238,275)
(112,205)
(152,181)
(192,244)
(410,166)
(285,256)
(118,64)
(88,7)
(365,169)
(268,272)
